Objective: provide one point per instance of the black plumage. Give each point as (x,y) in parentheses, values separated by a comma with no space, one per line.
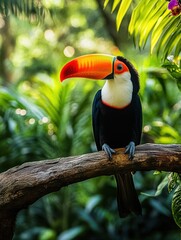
(117,128)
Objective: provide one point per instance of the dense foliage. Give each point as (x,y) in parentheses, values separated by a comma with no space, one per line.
(151,19)
(40,118)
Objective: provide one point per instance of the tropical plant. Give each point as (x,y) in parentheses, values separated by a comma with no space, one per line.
(165,127)
(40,119)
(29,8)
(174,68)
(151,20)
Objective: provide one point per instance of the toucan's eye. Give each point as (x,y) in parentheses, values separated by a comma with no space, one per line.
(119,67)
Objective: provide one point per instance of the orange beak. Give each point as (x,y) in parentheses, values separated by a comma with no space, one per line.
(93,66)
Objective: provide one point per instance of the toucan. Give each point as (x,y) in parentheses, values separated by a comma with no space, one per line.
(116,114)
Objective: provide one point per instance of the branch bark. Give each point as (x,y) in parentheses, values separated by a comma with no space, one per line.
(22,185)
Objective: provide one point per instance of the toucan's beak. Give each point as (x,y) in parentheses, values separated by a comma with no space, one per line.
(94,66)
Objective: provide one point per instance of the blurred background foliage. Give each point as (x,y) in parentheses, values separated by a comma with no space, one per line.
(40,118)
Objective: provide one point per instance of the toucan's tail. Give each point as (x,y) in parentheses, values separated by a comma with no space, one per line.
(127,197)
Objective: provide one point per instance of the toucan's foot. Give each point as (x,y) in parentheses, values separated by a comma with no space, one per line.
(109,151)
(130,149)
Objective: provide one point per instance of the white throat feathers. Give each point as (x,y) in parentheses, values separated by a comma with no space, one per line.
(117,92)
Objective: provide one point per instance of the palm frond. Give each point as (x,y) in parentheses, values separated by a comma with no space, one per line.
(28,8)
(123,8)
(151,20)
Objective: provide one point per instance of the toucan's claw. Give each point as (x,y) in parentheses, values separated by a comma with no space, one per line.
(130,149)
(109,151)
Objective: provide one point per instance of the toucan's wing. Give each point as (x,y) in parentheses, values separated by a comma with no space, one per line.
(96,119)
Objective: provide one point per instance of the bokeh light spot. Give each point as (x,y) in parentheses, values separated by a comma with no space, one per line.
(69,51)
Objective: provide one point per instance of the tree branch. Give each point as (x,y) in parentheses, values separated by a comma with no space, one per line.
(24,184)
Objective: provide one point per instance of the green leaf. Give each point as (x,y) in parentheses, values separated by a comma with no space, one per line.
(172,181)
(161,186)
(122,11)
(136,14)
(149,22)
(48,234)
(93,202)
(72,233)
(162,40)
(115,4)
(174,69)
(158,29)
(171,43)
(106,3)
(27,8)
(141,16)
(156,172)
(176,206)
(179,84)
